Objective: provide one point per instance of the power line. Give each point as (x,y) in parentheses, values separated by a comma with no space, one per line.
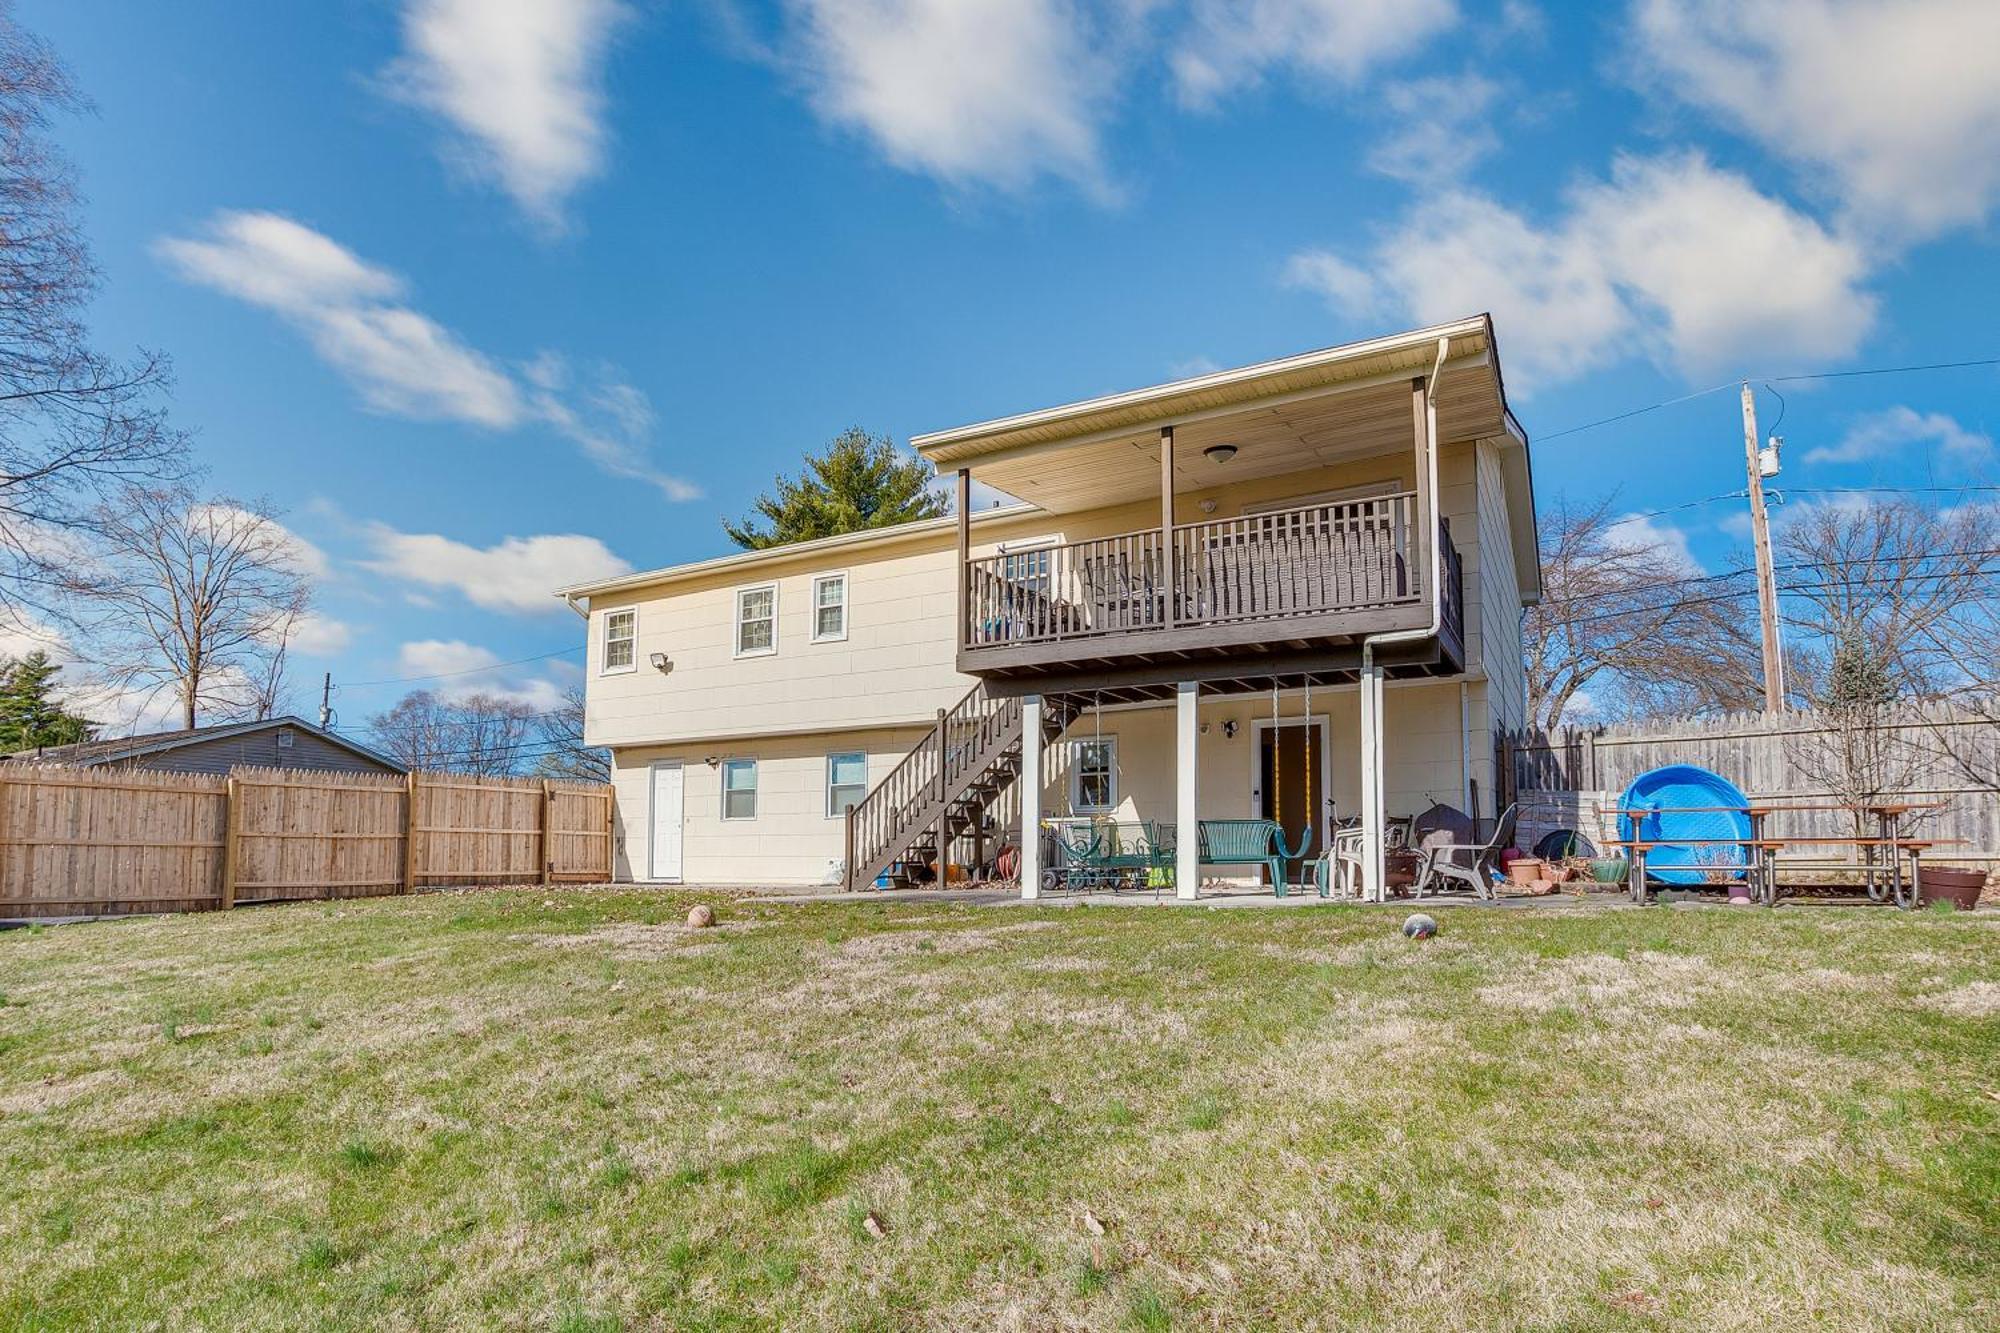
(1769,379)
(1883,370)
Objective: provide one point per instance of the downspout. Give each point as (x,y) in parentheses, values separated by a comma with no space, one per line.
(1437,547)
(569,600)
(1376,869)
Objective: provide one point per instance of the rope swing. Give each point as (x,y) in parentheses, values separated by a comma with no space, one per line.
(1305,841)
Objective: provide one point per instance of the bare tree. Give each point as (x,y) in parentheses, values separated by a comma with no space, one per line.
(75,426)
(481,734)
(1856,748)
(564,755)
(196,597)
(1622,617)
(1909,586)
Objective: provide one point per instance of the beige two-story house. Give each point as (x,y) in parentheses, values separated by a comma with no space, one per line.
(1289,591)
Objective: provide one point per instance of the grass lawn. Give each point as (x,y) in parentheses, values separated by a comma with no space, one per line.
(566,1111)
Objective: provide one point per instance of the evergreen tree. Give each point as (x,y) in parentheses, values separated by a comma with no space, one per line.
(30,714)
(1858,676)
(859,482)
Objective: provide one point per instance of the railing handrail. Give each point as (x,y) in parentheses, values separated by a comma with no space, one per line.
(929,773)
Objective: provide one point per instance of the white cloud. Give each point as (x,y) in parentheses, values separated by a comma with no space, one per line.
(1440,128)
(518,574)
(521,82)
(1896,100)
(1231,44)
(972,92)
(317,635)
(455,669)
(1638,532)
(402,362)
(304,557)
(1882,434)
(1671,257)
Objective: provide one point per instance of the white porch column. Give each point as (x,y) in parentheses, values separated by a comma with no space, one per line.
(1187,792)
(1031,796)
(1374,862)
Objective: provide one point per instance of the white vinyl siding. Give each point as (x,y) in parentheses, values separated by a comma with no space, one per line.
(621,633)
(846,781)
(757,620)
(739,789)
(829,608)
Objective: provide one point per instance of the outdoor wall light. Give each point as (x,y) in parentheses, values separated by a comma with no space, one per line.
(1229,729)
(713,760)
(662,663)
(1219,453)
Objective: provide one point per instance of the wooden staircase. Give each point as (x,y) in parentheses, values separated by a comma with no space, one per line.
(951,778)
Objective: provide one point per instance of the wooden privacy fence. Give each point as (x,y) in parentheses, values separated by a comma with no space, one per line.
(1931,755)
(102,842)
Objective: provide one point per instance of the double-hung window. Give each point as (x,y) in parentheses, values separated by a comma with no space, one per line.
(739,789)
(829,608)
(757,620)
(1094,774)
(846,782)
(621,632)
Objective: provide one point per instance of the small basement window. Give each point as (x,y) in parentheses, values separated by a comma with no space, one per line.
(621,633)
(1094,774)
(846,782)
(757,620)
(739,789)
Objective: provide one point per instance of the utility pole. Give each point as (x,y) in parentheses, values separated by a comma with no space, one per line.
(1767,587)
(326,703)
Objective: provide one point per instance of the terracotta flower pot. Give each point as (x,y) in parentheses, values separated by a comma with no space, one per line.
(1524,871)
(1950,884)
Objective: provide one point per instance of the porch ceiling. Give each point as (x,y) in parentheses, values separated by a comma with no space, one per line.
(1335,424)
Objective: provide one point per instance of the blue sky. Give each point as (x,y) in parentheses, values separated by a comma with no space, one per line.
(492,296)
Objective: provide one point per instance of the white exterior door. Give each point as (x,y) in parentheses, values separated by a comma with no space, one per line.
(669,808)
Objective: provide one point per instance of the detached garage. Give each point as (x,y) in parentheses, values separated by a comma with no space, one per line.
(278,742)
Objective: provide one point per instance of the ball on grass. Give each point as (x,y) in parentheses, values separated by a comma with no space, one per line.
(700,916)
(1419,927)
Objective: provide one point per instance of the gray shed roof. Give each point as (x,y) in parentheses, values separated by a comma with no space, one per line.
(116,750)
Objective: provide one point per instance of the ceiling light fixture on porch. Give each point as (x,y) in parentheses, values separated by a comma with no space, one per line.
(1219,453)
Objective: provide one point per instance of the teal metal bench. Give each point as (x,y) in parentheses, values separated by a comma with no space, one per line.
(1107,854)
(1246,842)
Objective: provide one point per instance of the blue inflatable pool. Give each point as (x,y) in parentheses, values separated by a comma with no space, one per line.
(1679,801)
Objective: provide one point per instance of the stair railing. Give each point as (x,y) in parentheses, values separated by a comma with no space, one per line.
(964,741)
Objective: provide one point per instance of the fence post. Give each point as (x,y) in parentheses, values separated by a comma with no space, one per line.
(410,831)
(548,831)
(230,828)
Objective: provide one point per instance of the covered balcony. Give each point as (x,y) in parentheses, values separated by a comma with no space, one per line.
(1311,575)
(1213,529)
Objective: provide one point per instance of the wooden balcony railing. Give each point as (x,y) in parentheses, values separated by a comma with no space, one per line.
(1313,560)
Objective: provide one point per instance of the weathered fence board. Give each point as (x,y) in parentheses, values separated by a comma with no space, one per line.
(1938,757)
(102,842)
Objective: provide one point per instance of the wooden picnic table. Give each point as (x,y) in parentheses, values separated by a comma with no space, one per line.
(1760,866)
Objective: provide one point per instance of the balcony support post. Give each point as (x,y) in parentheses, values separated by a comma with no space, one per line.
(1187,791)
(1169,576)
(963,592)
(1374,859)
(1031,795)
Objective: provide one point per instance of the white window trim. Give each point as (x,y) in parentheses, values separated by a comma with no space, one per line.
(604,667)
(846,589)
(862,755)
(756,789)
(1076,774)
(736,622)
